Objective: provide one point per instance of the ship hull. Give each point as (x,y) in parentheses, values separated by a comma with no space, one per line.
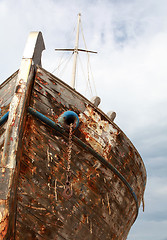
(102,206)
(104,174)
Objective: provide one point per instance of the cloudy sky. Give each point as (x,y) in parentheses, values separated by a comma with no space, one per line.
(130,72)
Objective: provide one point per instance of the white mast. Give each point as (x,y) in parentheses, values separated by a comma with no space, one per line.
(75,53)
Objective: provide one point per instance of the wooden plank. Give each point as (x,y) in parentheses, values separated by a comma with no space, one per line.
(6,93)
(103,199)
(10,160)
(129,171)
(38,172)
(77,163)
(7,87)
(40,211)
(123,144)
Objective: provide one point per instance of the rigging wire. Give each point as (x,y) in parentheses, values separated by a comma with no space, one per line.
(88,65)
(88,85)
(65,62)
(68,60)
(89,79)
(61,61)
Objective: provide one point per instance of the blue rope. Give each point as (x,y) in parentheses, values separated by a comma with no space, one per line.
(4,118)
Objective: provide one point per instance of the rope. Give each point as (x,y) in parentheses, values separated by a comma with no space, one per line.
(88,82)
(88,62)
(66,61)
(60,62)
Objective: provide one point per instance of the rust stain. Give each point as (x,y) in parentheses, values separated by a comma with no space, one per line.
(4,219)
(101,206)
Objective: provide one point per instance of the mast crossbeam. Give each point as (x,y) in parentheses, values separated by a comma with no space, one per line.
(73,49)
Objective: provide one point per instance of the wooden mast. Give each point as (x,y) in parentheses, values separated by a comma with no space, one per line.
(75,52)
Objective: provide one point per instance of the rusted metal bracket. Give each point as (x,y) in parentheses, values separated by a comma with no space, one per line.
(55,126)
(68,192)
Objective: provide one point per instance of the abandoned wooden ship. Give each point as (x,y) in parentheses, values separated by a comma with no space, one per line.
(67,170)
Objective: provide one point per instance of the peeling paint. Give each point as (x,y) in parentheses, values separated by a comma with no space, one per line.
(101,206)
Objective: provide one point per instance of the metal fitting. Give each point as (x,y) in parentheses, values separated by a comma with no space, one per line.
(67,118)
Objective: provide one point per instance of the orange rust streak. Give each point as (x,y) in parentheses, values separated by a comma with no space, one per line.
(3,226)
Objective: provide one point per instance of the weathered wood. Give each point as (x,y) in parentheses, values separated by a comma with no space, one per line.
(39,178)
(98,194)
(9,165)
(118,151)
(39,175)
(107,174)
(6,93)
